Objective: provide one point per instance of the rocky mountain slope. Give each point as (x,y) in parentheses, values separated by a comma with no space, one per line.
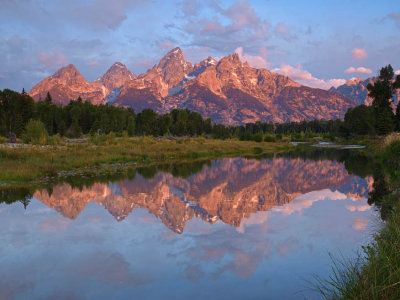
(228,91)
(68,84)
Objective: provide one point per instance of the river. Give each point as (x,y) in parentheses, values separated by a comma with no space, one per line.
(232,228)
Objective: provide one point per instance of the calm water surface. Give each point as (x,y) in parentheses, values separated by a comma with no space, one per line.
(233,228)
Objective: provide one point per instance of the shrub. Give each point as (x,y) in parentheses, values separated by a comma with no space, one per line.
(257,137)
(391,153)
(54,139)
(3,140)
(35,133)
(269,138)
(258,150)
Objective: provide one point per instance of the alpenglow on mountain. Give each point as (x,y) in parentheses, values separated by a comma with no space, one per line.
(228,91)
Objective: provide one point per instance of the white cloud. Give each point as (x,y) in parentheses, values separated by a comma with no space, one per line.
(359,53)
(304,77)
(306,200)
(255,61)
(358,70)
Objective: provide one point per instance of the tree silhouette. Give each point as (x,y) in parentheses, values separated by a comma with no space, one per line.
(382,92)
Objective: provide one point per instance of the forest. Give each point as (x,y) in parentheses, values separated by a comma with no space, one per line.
(17,110)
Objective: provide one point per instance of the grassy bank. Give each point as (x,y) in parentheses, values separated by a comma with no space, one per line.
(24,164)
(376,273)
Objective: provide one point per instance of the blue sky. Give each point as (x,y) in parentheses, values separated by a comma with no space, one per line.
(317,43)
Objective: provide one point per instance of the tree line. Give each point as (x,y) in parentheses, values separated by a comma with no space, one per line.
(79,117)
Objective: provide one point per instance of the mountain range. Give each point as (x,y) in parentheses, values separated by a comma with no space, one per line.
(228,91)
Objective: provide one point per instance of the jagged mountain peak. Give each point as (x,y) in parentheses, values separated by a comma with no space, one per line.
(173,55)
(119,65)
(69,73)
(116,76)
(354,81)
(173,67)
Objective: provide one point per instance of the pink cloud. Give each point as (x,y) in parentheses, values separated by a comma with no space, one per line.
(54,59)
(359,53)
(284,31)
(397,72)
(166,45)
(208,27)
(242,15)
(263,52)
(358,207)
(304,77)
(145,63)
(254,61)
(395,16)
(358,70)
(93,63)
(360,224)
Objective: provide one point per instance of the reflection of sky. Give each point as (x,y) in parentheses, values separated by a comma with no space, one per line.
(44,255)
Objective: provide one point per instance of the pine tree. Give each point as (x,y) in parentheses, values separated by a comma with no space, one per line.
(48,99)
(131,126)
(382,92)
(398,116)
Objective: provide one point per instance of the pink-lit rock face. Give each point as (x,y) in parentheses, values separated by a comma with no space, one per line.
(68,84)
(228,91)
(230,191)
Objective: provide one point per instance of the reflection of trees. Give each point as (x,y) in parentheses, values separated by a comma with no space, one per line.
(356,163)
(183,170)
(382,195)
(10,196)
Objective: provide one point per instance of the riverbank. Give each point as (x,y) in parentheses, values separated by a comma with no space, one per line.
(376,273)
(24,164)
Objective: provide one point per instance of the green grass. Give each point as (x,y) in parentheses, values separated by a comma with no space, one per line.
(22,165)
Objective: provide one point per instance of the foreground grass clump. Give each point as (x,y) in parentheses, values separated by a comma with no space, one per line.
(31,162)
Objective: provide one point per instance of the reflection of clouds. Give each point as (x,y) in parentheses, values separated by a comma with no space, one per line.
(193,273)
(287,246)
(360,224)
(243,264)
(111,269)
(358,207)
(254,219)
(240,257)
(56,224)
(64,296)
(14,287)
(307,200)
(95,219)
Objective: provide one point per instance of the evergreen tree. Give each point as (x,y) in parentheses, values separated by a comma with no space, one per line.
(397,118)
(382,92)
(131,126)
(48,100)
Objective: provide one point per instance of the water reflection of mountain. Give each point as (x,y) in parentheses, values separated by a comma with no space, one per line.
(229,190)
